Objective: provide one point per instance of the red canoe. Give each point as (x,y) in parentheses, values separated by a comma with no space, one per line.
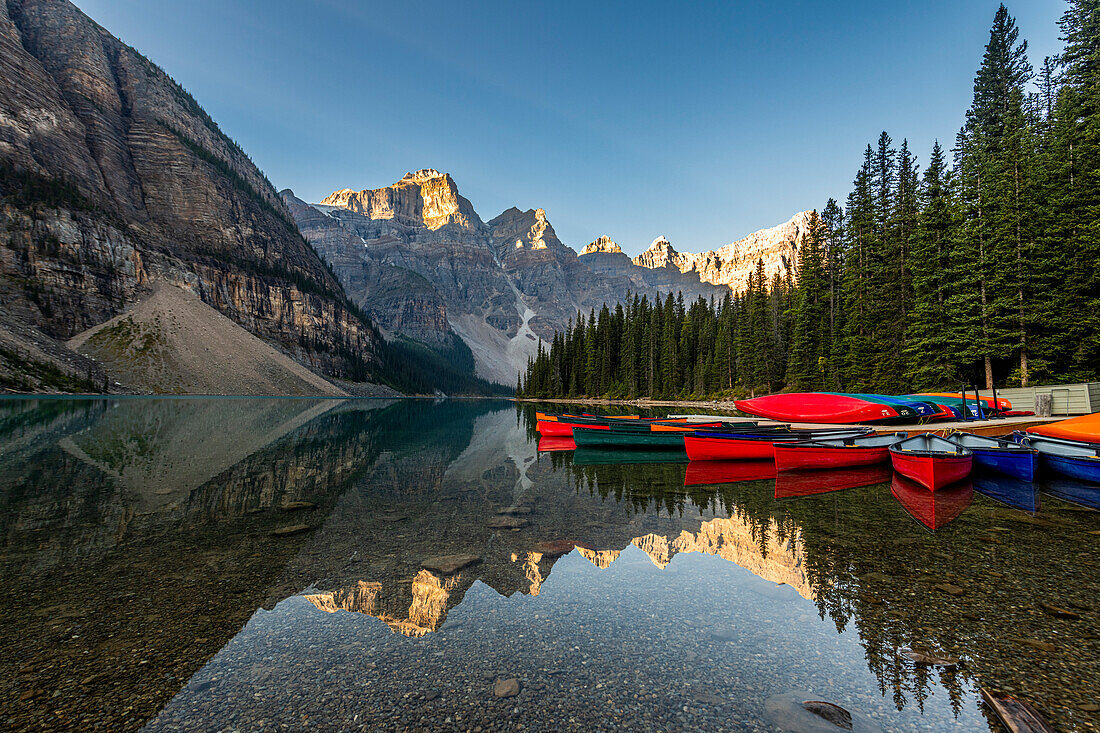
(560,429)
(816,407)
(793,484)
(728,472)
(709,446)
(862,450)
(706,448)
(932,509)
(931,461)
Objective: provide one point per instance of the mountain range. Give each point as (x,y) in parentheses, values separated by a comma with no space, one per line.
(423,264)
(142,250)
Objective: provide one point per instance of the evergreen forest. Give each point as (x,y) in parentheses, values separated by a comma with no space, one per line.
(978,267)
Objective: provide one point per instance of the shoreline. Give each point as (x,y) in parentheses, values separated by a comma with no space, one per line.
(723,405)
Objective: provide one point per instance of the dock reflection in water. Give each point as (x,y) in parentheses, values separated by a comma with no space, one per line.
(252,564)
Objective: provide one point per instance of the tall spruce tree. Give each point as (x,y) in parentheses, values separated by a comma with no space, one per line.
(810,329)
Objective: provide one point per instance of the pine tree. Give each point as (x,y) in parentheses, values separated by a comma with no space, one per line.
(988,160)
(808,350)
(929,345)
(857,286)
(1073,240)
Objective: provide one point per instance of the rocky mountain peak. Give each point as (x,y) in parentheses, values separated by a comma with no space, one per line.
(660,254)
(424,198)
(604,245)
(516,230)
(422,175)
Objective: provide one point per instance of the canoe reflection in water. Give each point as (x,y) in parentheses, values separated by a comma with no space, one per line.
(934,509)
(704,473)
(609,456)
(556,443)
(1014,492)
(793,484)
(1076,492)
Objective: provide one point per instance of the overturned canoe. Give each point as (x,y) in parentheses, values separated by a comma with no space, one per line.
(561,428)
(968,409)
(998,454)
(857,450)
(931,461)
(909,408)
(817,407)
(988,403)
(1085,428)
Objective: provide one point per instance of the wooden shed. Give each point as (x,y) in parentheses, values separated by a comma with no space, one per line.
(1065,399)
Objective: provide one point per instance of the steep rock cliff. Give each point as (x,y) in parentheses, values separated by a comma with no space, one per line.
(112,176)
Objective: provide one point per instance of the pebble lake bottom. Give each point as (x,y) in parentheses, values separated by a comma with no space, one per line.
(263,565)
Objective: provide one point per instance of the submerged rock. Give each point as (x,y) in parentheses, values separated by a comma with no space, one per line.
(925,659)
(506,688)
(555,548)
(1035,644)
(949,589)
(1058,612)
(292,529)
(802,712)
(506,523)
(447,564)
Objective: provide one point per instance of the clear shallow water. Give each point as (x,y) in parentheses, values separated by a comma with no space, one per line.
(146,584)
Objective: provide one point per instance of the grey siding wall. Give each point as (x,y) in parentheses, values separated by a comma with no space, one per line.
(1066,399)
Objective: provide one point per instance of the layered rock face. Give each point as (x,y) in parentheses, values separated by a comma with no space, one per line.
(112,176)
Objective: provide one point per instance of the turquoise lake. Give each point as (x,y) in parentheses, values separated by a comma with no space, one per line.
(290,564)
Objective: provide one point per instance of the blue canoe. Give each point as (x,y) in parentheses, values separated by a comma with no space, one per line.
(1071,458)
(1022,495)
(998,454)
(918,407)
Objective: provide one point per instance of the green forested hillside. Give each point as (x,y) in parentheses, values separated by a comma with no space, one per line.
(979,267)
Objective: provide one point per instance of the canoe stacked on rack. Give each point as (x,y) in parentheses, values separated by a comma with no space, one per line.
(837,408)
(1083,429)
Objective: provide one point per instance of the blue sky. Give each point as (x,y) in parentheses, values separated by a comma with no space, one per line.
(699,121)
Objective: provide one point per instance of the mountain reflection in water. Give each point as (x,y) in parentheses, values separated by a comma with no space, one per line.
(154,549)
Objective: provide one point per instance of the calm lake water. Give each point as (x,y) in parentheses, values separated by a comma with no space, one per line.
(248,564)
